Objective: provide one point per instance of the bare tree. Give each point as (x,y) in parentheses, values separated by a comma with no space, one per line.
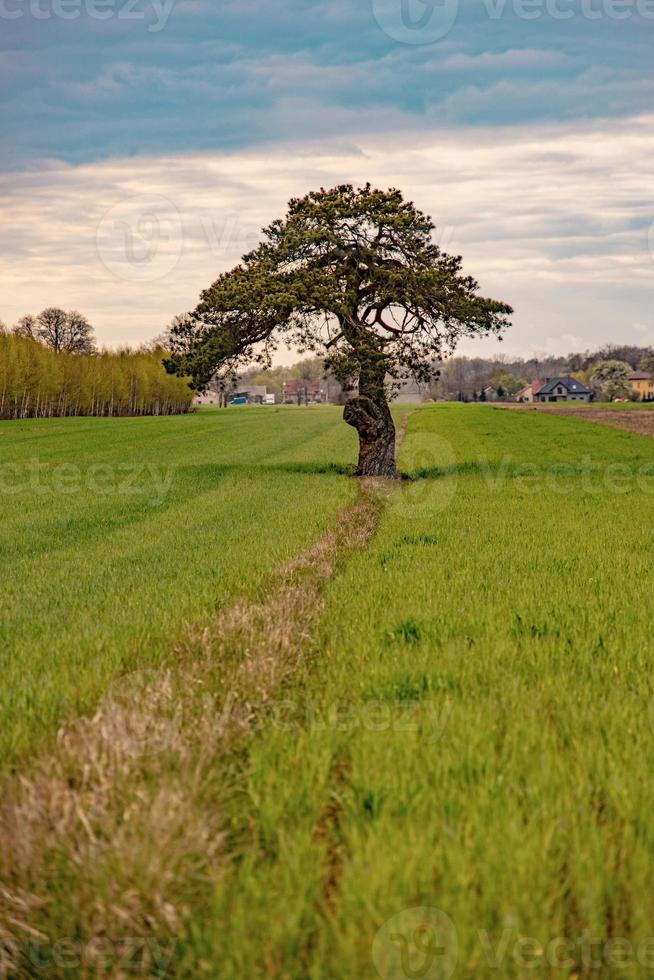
(26,326)
(50,326)
(59,330)
(78,334)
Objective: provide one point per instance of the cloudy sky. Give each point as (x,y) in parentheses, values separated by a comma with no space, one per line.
(145,142)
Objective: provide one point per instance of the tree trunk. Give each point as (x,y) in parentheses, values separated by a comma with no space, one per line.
(370,415)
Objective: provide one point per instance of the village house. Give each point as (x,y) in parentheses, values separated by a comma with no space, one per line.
(298,390)
(564,390)
(410,393)
(208,398)
(642,385)
(530,392)
(250,395)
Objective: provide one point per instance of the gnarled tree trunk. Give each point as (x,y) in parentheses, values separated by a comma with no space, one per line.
(370,415)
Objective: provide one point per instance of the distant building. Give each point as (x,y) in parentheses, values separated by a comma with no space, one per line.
(642,385)
(241,395)
(530,392)
(297,390)
(249,394)
(564,390)
(209,398)
(490,394)
(410,393)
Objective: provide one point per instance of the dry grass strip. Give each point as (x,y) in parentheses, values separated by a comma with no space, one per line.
(110,842)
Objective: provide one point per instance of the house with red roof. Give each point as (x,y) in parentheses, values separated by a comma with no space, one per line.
(529,393)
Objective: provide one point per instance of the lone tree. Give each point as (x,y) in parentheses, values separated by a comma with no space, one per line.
(353,275)
(59,330)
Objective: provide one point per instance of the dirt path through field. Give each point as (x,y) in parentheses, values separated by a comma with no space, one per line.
(120,830)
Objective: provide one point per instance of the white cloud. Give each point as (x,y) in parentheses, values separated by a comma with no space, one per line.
(554,220)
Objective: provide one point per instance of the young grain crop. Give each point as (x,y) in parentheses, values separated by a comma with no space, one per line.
(115,532)
(472,727)
(478,722)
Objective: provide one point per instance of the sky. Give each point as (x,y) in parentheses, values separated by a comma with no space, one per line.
(146,142)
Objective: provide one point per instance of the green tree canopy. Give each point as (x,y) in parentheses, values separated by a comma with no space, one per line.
(353,275)
(613,377)
(647,362)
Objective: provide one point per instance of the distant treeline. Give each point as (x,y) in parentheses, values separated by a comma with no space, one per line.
(463,377)
(466,378)
(37,382)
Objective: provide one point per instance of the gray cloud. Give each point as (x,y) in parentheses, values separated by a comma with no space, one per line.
(231,75)
(553,219)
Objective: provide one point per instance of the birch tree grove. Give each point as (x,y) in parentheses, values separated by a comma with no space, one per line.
(36,382)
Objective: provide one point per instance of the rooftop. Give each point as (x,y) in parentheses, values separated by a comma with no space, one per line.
(571,385)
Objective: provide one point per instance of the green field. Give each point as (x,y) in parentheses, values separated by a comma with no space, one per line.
(117,531)
(468,726)
(615,406)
